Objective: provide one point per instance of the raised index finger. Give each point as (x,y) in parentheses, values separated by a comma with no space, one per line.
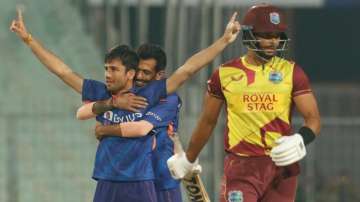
(19,11)
(233,17)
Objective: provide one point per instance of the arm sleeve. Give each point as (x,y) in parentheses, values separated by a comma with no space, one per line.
(163,113)
(301,84)
(94,91)
(156,89)
(214,85)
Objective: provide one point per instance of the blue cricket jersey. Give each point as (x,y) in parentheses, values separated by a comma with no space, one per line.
(166,109)
(121,158)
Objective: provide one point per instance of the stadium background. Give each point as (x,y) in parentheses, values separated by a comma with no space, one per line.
(47,155)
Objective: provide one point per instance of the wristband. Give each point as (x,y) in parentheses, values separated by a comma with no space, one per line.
(307,134)
(28,39)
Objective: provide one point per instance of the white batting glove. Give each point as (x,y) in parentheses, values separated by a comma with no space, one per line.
(289,149)
(180,166)
(196,169)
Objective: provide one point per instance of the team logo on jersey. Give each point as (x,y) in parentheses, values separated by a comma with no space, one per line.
(235,196)
(108,115)
(274,18)
(275,77)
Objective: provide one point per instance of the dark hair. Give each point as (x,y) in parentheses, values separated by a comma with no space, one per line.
(128,57)
(149,51)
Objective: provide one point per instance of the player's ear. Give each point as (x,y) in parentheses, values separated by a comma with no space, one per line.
(160,75)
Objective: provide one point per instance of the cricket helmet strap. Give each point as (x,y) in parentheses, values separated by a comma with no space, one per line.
(263,18)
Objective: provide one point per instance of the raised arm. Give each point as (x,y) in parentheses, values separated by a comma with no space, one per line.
(205,56)
(48,59)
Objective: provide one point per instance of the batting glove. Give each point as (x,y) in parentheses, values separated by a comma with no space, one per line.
(180,166)
(289,149)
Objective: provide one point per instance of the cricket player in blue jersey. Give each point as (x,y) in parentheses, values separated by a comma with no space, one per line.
(119,80)
(151,67)
(123,166)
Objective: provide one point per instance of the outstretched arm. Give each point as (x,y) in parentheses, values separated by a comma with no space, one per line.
(48,59)
(202,58)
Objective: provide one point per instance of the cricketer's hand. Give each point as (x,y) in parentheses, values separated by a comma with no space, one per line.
(180,166)
(18,25)
(232,29)
(289,149)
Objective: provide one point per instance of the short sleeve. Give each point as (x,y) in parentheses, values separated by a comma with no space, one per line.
(214,85)
(155,90)
(164,113)
(301,84)
(94,90)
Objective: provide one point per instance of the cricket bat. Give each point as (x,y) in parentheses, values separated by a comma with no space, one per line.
(194,187)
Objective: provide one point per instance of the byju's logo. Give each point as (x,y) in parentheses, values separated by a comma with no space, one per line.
(116,118)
